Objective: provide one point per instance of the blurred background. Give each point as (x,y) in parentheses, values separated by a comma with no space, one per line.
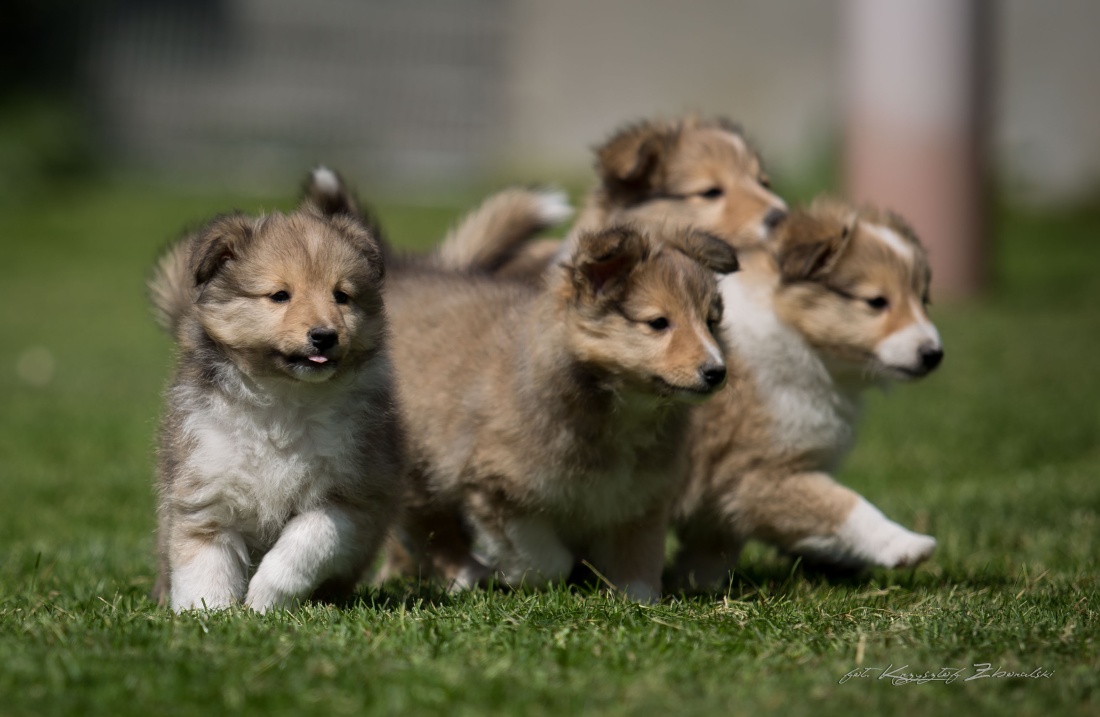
(421,95)
(927,107)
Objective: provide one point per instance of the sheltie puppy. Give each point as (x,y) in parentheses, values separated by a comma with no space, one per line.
(546,423)
(835,305)
(831,304)
(280,453)
(689,171)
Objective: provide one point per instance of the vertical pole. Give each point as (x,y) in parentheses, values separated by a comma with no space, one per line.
(916,125)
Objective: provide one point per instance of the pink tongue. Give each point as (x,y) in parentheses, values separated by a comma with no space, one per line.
(318,359)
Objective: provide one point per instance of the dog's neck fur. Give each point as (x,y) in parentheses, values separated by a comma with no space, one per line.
(607,418)
(814,400)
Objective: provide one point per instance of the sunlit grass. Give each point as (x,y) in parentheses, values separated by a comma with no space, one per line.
(997,454)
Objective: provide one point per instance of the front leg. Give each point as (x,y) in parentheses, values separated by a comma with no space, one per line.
(529,551)
(208,569)
(810,514)
(326,544)
(632,555)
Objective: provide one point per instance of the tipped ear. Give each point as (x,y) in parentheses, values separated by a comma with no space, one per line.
(708,250)
(810,244)
(631,162)
(328,193)
(220,241)
(603,261)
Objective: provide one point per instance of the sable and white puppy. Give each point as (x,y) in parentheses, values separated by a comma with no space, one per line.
(835,305)
(547,424)
(280,451)
(689,171)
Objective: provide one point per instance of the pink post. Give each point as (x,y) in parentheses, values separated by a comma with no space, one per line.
(916,131)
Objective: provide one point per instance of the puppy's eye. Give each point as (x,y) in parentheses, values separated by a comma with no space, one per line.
(658,324)
(765,181)
(340,297)
(878,303)
(712,193)
(280,297)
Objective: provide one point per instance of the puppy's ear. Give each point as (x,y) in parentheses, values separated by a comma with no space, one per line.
(366,242)
(811,242)
(603,261)
(708,250)
(631,163)
(220,241)
(326,191)
(327,195)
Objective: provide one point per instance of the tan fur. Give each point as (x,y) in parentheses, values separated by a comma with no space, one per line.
(279,446)
(512,216)
(662,171)
(753,475)
(548,423)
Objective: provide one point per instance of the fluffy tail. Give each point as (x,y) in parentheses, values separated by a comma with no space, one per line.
(172,286)
(488,236)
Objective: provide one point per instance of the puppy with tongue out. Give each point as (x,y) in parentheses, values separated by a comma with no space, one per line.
(280,450)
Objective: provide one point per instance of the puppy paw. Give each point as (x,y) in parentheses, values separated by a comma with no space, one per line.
(906,549)
(867,538)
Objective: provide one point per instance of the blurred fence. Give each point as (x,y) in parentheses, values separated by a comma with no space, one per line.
(240,89)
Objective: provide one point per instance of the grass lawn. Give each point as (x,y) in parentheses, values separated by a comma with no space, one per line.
(997,455)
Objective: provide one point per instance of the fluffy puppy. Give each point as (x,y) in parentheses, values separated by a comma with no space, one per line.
(689,171)
(280,452)
(546,424)
(837,304)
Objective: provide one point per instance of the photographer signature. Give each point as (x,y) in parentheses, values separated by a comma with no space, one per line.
(981,670)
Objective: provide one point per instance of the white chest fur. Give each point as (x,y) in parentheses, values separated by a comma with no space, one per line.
(811,410)
(259,462)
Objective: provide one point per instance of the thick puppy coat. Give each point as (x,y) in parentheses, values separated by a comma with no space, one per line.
(691,172)
(552,418)
(836,306)
(279,447)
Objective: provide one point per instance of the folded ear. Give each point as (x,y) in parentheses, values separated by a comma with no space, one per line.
(632,161)
(811,241)
(327,192)
(708,250)
(219,242)
(603,261)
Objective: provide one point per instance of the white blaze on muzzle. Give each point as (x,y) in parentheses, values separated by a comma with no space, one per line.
(903,349)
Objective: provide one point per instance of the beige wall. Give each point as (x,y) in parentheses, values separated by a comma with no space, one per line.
(579,68)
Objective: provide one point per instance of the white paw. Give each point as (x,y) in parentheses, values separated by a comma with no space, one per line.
(263,596)
(906,549)
(868,539)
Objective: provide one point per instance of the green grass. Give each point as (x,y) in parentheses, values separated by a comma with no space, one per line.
(997,454)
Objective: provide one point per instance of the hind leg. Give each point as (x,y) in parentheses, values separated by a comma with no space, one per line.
(632,555)
(706,558)
(433,543)
(529,552)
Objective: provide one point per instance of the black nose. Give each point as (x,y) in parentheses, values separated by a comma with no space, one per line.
(930,357)
(774,218)
(714,375)
(323,339)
